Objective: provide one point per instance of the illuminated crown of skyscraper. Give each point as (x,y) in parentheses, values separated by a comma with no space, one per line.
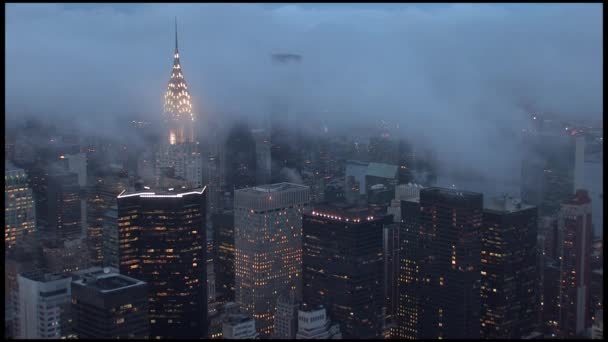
(178,103)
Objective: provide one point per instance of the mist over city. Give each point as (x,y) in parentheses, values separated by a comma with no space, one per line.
(147,139)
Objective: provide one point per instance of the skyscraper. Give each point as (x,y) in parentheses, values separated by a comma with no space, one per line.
(179,148)
(551,162)
(440,280)
(223,249)
(574,226)
(240,159)
(63,205)
(262,155)
(44,301)
(179,117)
(510,293)
(268,248)
(162,241)
(19,207)
(108,305)
(343,267)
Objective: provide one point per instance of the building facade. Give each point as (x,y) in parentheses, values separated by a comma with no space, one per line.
(440,260)
(575,229)
(162,241)
(64,205)
(44,301)
(268,248)
(510,293)
(343,267)
(108,305)
(19,206)
(313,323)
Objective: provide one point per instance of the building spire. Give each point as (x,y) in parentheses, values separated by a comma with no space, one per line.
(176,34)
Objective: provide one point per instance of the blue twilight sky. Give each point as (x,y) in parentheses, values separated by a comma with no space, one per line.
(459,77)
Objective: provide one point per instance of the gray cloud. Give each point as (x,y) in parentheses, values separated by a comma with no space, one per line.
(454,77)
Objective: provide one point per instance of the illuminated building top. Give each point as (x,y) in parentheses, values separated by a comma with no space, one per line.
(178,103)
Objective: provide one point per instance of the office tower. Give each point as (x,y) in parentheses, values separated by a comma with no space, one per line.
(211,293)
(162,241)
(549,167)
(574,225)
(391,250)
(64,256)
(239,327)
(77,163)
(284,132)
(185,162)
(510,293)
(550,274)
(44,301)
(108,305)
(262,155)
(101,198)
(382,149)
(313,323)
(440,257)
(597,330)
(286,317)
(110,236)
(240,160)
(343,267)
(63,205)
(17,260)
(268,248)
(19,206)
(223,249)
(402,192)
(409,314)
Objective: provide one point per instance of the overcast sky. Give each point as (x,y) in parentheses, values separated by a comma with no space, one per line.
(460,77)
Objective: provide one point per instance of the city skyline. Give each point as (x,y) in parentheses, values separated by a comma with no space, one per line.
(358,171)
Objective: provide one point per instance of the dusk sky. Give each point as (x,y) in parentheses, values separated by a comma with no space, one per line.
(459,77)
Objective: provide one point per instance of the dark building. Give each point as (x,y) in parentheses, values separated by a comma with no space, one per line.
(108,305)
(510,294)
(240,158)
(101,198)
(223,248)
(162,241)
(574,225)
(410,283)
(440,259)
(392,243)
(343,267)
(548,170)
(63,205)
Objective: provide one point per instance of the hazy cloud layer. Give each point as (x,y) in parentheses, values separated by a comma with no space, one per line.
(460,77)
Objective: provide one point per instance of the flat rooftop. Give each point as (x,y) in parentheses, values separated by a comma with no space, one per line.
(270,188)
(505,204)
(106,280)
(160,193)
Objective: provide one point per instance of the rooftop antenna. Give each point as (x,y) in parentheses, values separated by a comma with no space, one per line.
(175,34)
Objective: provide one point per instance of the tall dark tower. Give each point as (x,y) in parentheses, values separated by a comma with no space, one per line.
(162,240)
(510,293)
(178,115)
(342,267)
(440,260)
